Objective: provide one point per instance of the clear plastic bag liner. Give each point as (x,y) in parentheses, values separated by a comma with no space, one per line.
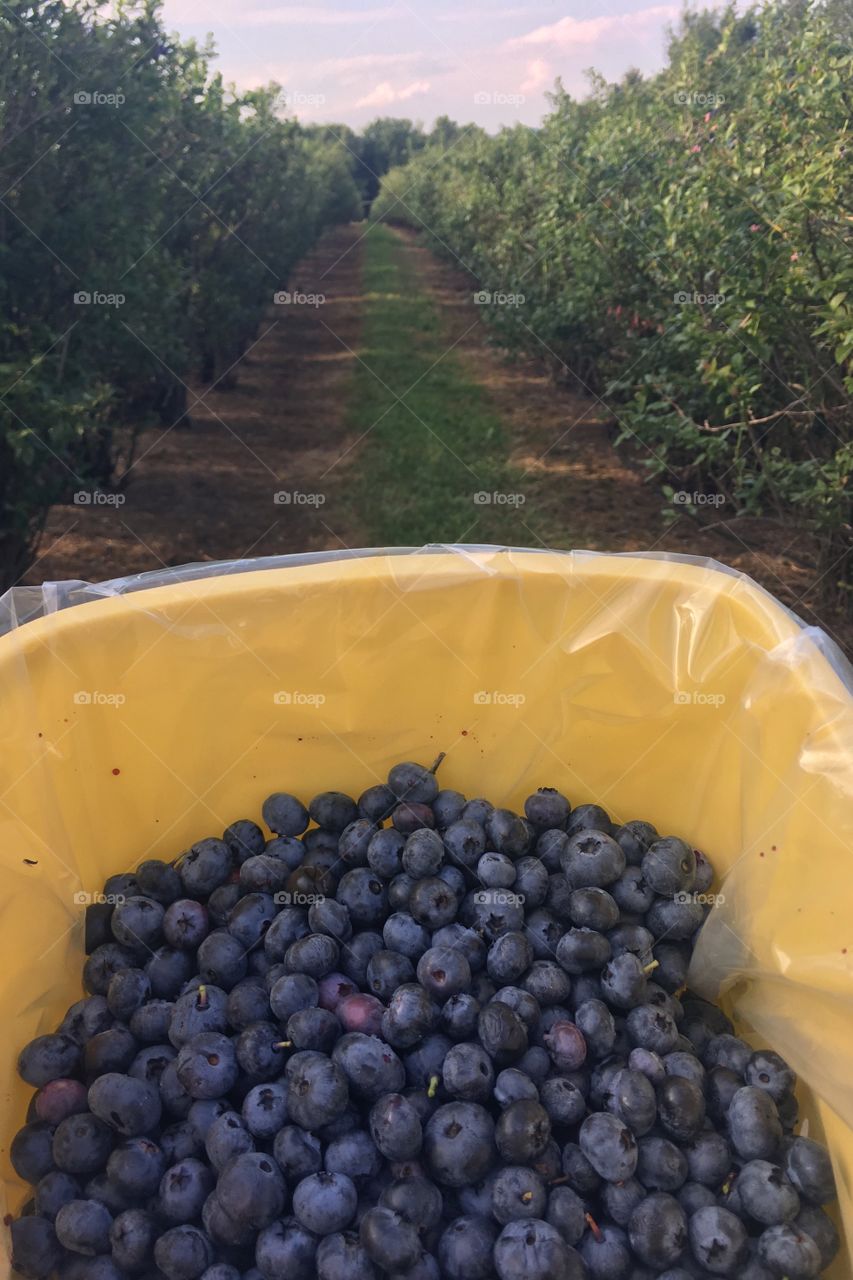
(661,687)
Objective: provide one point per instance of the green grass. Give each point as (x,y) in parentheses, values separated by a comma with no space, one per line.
(422,457)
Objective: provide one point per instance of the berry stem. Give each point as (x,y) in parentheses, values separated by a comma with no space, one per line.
(202,1001)
(650,968)
(437,761)
(594,1227)
(432,1087)
(283,1044)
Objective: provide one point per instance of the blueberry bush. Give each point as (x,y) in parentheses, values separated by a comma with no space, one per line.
(148,215)
(682,245)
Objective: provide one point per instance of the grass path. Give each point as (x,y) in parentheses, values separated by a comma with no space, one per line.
(432,447)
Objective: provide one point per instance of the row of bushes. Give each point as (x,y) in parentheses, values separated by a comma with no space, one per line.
(147,217)
(682,244)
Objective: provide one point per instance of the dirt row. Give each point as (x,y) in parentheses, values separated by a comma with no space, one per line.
(205,489)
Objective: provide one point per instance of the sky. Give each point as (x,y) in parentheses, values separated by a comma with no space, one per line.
(491,63)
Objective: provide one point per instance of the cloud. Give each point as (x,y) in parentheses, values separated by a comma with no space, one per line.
(539,74)
(385,94)
(305,15)
(570,32)
(365,61)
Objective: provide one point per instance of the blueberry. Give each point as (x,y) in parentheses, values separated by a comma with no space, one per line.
(410,1015)
(433,902)
(465,842)
(227,1137)
(385,853)
(507,832)
(547,809)
(83,1226)
(252,1189)
(361,1013)
(459,1017)
(808,1166)
(297,1152)
(342,1257)
(465,1249)
(137,923)
(112,1050)
(222,900)
(150,1023)
(444,972)
(53,1191)
(132,1238)
(88,1016)
(222,960)
(531,881)
(635,838)
(766,1070)
(389,1241)
(592,859)
(596,1023)
(317,1089)
(247,1002)
(468,1073)
(286,1248)
(632,1099)
(284,814)
(709,1158)
(48,1058)
(36,1252)
(354,1154)
(265,1109)
(610,1147)
(183,1190)
(411,816)
(754,1128)
(718,1239)
(244,839)
(417,1200)
(566,1045)
(207,1065)
(395,1127)
(517,1192)
(364,895)
(669,866)
(661,1165)
(620,1199)
(371,1067)
(97,972)
(522,1131)
(651,1028)
(168,969)
(204,1008)
(402,933)
(631,893)
(333,810)
(459,1144)
(158,880)
(532,1248)
(31,1152)
(447,807)
(817,1224)
(259,1051)
(129,1106)
(325,1202)
(136,1167)
(605,1251)
(183,1253)
(388,970)
(580,950)
(657,1230)
(413,782)
(681,1107)
(249,919)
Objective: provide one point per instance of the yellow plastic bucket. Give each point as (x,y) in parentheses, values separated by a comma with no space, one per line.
(662,689)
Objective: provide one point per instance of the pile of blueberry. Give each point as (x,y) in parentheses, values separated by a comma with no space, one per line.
(414,1036)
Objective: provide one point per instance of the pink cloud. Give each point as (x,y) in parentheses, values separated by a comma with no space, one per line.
(385,94)
(569,32)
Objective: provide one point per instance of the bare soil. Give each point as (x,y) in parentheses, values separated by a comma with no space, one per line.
(206,491)
(205,488)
